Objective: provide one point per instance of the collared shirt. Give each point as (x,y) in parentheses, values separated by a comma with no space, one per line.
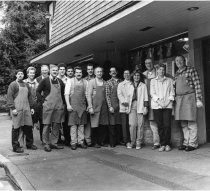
(109,88)
(88,78)
(64,79)
(150,74)
(163,90)
(192,79)
(33,86)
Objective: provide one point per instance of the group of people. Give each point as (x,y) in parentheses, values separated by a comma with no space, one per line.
(92,112)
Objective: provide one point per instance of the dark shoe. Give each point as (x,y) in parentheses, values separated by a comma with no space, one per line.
(67,144)
(155,147)
(121,143)
(73,147)
(47,148)
(182,147)
(18,150)
(96,146)
(89,144)
(83,146)
(103,145)
(32,147)
(112,146)
(189,148)
(56,146)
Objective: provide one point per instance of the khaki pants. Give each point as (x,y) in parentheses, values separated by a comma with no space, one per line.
(190,131)
(77,134)
(136,123)
(50,134)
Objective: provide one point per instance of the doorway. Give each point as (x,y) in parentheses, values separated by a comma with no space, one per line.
(206,67)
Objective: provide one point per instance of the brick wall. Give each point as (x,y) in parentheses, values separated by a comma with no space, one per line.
(70,17)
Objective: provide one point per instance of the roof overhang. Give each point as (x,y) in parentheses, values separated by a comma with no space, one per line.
(123,31)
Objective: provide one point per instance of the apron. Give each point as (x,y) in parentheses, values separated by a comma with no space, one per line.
(78,102)
(22,106)
(53,108)
(100,108)
(185,108)
(114,118)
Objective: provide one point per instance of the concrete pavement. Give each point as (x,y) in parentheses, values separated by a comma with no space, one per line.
(105,168)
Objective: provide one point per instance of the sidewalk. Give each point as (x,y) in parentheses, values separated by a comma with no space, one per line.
(106,168)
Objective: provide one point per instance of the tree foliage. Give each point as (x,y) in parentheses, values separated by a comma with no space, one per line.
(23,37)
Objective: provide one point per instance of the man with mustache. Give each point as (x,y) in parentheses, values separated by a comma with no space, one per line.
(113,104)
(19,100)
(76,106)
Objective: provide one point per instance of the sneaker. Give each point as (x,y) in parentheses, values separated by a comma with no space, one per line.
(155,147)
(138,147)
(129,146)
(18,150)
(161,149)
(167,148)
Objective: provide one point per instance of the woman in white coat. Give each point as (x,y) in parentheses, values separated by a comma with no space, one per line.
(138,103)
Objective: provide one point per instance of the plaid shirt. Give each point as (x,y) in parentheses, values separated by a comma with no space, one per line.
(192,79)
(109,88)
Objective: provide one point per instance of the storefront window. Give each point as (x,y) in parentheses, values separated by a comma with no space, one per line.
(163,52)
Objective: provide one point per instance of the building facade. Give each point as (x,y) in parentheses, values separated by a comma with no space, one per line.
(124,33)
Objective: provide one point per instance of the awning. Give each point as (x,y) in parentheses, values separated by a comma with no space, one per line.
(128,29)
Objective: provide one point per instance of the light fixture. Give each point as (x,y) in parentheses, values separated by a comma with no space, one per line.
(47,15)
(192,8)
(146,28)
(77,55)
(110,42)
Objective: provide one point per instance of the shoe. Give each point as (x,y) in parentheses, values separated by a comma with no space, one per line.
(167,148)
(121,143)
(161,149)
(103,145)
(89,144)
(190,148)
(52,146)
(182,147)
(138,147)
(74,147)
(18,150)
(112,146)
(83,146)
(129,146)
(155,147)
(32,147)
(47,148)
(96,146)
(67,144)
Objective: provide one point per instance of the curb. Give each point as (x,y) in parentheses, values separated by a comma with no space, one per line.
(15,174)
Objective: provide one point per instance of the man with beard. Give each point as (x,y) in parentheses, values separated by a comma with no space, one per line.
(76,105)
(87,132)
(19,101)
(113,104)
(44,74)
(97,108)
(51,90)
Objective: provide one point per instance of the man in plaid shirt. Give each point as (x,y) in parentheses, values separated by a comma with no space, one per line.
(113,104)
(188,99)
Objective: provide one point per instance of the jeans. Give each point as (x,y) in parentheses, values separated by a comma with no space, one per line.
(77,134)
(190,131)
(163,119)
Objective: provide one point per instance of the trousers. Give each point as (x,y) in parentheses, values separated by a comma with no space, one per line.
(77,134)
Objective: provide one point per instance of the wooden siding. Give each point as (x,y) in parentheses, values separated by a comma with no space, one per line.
(70,17)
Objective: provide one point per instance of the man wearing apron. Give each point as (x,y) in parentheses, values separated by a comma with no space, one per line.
(66,130)
(150,73)
(97,108)
(76,105)
(115,130)
(188,99)
(18,99)
(52,90)
(87,131)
